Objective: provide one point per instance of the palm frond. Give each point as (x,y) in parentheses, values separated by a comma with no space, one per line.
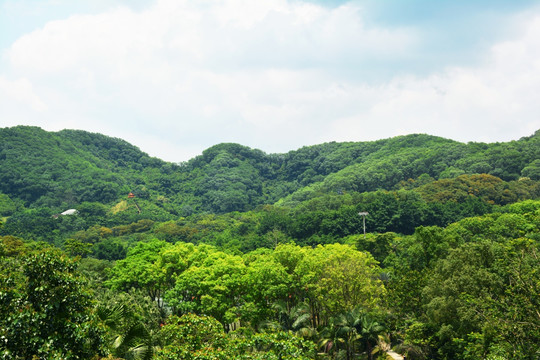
(301,320)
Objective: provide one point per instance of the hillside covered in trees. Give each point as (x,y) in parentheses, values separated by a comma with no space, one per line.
(241,254)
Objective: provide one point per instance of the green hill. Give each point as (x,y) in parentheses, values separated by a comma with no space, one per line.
(64,169)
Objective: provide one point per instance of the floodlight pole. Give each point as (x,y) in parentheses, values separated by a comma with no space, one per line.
(363,214)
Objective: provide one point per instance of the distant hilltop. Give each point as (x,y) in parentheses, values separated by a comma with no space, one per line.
(64,169)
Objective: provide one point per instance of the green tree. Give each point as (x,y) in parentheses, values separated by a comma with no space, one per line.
(212,287)
(130,336)
(340,278)
(77,248)
(266,282)
(202,338)
(139,270)
(369,331)
(193,337)
(45,310)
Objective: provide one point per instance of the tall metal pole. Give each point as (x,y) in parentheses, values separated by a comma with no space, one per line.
(363,214)
(364,227)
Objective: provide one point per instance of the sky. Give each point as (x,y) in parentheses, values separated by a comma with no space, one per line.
(174,77)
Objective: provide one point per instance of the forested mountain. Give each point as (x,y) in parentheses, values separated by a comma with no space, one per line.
(64,169)
(311,194)
(241,254)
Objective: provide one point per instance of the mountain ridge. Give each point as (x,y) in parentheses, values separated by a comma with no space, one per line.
(66,168)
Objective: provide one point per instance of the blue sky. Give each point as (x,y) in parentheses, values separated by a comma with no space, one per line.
(177,76)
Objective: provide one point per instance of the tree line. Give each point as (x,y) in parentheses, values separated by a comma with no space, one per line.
(61,170)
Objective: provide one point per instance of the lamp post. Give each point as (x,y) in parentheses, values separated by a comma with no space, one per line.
(363,214)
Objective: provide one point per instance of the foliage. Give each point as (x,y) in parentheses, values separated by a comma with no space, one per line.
(138,270)
(201,337)
(45,309)
(477,282)
(132,321)
(212,286)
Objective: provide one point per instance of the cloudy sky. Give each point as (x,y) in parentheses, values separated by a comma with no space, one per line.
(174,77)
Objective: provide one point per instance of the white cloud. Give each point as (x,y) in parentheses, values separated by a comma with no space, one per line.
(270,74)
(495,102)
(20,93)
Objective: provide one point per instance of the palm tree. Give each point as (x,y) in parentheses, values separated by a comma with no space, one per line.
(348,324)
(296,318)
(129,338)
(329,338)
(145,346)
(369,333)
(341,332)
(352,328)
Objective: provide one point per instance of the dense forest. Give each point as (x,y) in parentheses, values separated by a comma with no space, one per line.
(106,252)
